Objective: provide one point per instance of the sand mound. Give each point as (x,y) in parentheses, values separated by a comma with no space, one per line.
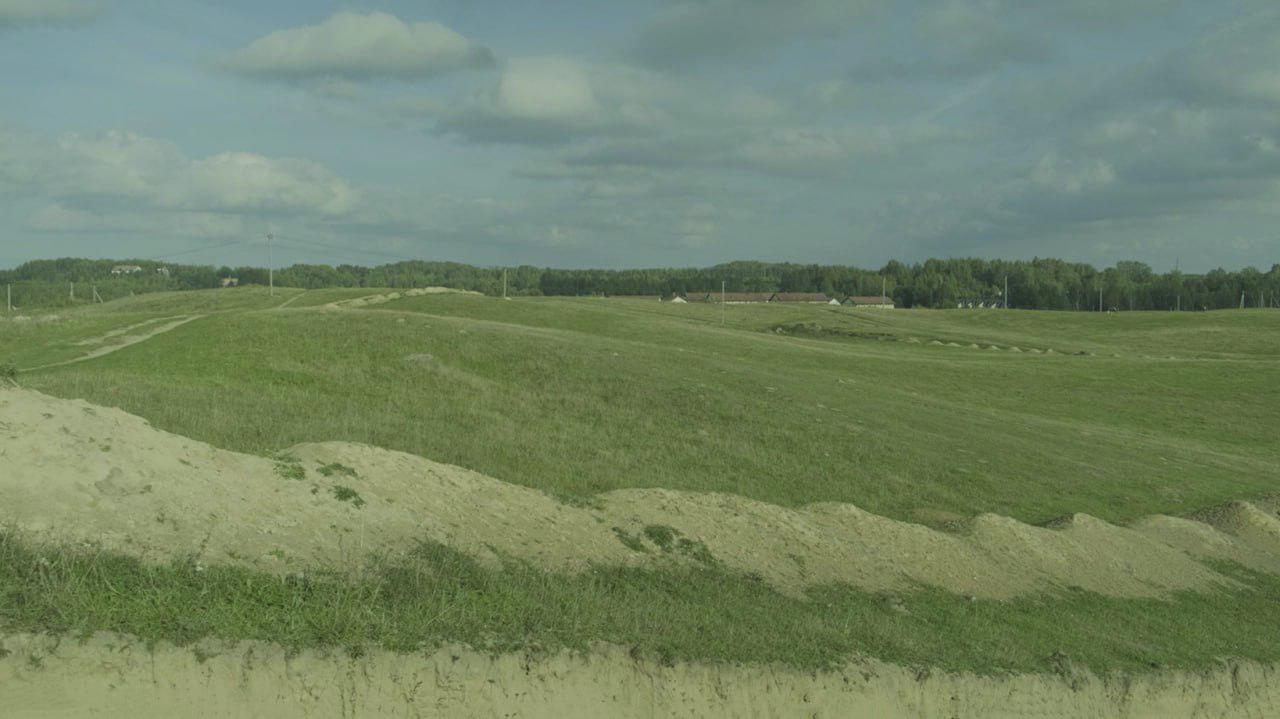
(1250,523)
(110,675)
(73,472)
(391,296)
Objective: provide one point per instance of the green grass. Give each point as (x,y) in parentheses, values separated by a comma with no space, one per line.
(578,397)
(581,396)
(438,596)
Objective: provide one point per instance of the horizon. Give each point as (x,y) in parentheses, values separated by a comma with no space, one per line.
(652,134)
(867,267)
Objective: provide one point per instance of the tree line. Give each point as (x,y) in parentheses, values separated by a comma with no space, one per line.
(938,283)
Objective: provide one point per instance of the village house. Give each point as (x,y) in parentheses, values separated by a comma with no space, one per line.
(874,302)
(125,269)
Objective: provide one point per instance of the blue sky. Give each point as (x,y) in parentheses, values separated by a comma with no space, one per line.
(643,133)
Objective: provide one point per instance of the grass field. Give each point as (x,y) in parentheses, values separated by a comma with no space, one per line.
(1131,414)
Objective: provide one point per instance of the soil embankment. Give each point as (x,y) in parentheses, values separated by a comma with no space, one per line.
(113,676)
(72,472)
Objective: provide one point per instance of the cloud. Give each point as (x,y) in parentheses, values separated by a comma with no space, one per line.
(553,100)
(359,46)
(14,13)
(697,31)
(127,172)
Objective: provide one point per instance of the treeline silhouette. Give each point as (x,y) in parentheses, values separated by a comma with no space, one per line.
(940,283)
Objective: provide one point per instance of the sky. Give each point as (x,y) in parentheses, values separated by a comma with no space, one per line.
(645,133)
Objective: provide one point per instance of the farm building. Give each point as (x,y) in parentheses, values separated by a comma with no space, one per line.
(125,269)
(809,298)
(875,302)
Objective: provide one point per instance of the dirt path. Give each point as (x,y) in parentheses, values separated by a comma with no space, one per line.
(114,676)
(123,341)
(290,301)
(74,472)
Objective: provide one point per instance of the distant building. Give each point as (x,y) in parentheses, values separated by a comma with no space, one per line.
(741,298)
(229,282)
(875,302)
(694,296)
(125,269)
(162,271)
(809,298)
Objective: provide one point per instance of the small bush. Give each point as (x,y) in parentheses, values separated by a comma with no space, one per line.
(8,371)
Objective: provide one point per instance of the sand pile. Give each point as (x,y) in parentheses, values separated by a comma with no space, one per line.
(113,676)
(392,296)
(74,472)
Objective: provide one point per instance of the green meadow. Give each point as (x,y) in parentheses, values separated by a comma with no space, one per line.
(898,412)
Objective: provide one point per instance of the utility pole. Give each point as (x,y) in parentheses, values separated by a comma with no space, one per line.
(8,297)
(884,285)
(1241,300)
(73,294)
(1099,299)
(1006,292)
(271,267)
(722,303)
(1179,303)
(96,297)
(504,283)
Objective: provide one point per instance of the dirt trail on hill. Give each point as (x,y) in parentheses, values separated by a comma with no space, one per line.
(118,339)
(113,676)
(72,472)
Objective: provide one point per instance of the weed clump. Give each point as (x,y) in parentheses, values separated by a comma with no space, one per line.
(292,471)
(337,470)
(629,540)
(661,535)
(9,372)
(347,494)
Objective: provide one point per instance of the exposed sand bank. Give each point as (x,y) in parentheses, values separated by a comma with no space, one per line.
(114,676)
(72,472)
(390,296)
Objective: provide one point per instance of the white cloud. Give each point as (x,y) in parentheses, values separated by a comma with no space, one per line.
(1057,174)
(45,12)
(545,89)
(124,171)
(354,45)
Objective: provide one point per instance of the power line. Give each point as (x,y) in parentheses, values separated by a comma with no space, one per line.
(194,250)
(314,244)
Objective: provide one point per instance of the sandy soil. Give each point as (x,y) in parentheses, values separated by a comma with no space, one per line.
(72,472)
(113,676)
(382,299)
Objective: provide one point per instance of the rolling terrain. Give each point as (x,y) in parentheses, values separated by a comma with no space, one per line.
(966,491)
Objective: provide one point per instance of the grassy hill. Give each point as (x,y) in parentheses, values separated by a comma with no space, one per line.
(926,416)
